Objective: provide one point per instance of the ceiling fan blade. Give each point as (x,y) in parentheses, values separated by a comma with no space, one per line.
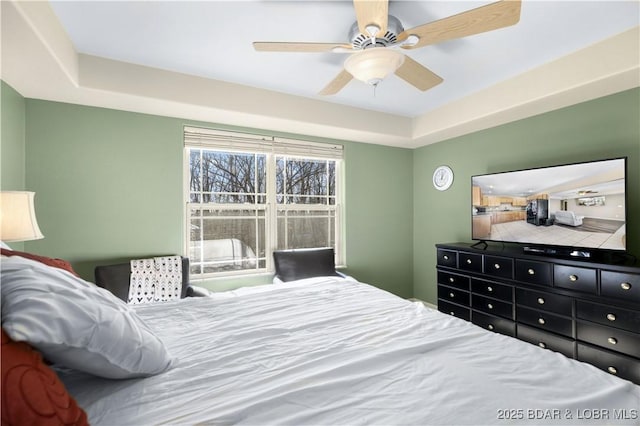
(485,18)
(417,75)
(372,12)
(267,46)
(337,83)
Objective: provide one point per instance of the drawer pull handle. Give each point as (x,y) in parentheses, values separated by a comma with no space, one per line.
(453,313)
(540,301)
(490,289)
(573,278)
(489,305)
(468,261)
(531,271)
(625,286)
(611,317)
(541,321)
(451,295)
(542,345)
(451,279)
(490,327)
(612,340)
(445,257)
(496,265)
(612,370)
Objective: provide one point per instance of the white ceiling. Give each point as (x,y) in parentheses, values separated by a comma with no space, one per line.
(195,61)
(213,39)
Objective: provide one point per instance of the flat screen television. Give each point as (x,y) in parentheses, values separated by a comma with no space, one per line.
(579,208)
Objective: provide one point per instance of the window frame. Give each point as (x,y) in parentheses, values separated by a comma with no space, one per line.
(272,147)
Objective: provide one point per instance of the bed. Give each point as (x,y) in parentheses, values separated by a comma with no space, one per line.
(332,350)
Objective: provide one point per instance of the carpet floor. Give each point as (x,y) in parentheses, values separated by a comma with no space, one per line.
(596,225)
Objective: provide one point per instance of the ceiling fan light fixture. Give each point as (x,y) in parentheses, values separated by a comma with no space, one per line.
(412,40)
(373,65)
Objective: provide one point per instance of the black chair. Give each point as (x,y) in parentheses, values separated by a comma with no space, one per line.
(116,278)
(297,264)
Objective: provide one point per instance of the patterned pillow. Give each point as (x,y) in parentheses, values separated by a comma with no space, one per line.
(32,393)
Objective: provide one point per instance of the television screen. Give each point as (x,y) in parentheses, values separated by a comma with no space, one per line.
(579,205)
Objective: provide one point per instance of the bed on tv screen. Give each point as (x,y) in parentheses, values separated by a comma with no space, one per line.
(581,205)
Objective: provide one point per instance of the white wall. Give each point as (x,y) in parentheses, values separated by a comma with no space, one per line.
(613,208)
(554,205)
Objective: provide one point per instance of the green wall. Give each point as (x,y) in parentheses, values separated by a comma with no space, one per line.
(12,132)
(109,187)
(379,204)
(12,148)
(109,183)
(603,128)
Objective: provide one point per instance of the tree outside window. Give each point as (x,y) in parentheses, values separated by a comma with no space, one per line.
(242,205)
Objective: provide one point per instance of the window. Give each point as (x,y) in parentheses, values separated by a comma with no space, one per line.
(248,195)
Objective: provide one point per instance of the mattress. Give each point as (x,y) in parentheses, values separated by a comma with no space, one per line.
(336,351)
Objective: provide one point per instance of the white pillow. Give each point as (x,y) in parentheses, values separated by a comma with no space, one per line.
(5,246)
(76,323)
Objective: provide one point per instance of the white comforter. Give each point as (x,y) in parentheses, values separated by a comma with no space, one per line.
(336,352)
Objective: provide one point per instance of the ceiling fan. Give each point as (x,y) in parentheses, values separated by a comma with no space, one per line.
(375,36)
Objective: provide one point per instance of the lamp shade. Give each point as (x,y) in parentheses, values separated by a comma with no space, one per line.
(18,216)
(374,64)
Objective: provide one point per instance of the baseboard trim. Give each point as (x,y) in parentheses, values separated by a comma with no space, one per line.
(427,304)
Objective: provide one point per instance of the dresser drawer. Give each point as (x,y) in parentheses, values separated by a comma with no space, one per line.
(491,289)
(454,295)
(613,363)
(546,340)
(497,266)
(620,285)
(454,310)
(493,323)
(545,321)
(609,316)
(470,262)
(609,338)
(574,278)
(532,272)
(545,301)
(447,258)
(453,280)
(492,306)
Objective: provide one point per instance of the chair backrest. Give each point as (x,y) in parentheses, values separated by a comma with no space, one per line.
(115,278)
(304,263)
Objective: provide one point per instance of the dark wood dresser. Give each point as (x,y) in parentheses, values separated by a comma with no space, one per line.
(586,310)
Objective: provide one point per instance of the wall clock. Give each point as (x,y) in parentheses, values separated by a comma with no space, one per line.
(442,178)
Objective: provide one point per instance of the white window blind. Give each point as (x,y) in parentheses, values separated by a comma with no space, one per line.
(247,195)
(243,142)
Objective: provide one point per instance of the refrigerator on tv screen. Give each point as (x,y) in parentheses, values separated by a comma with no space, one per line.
(575,206)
